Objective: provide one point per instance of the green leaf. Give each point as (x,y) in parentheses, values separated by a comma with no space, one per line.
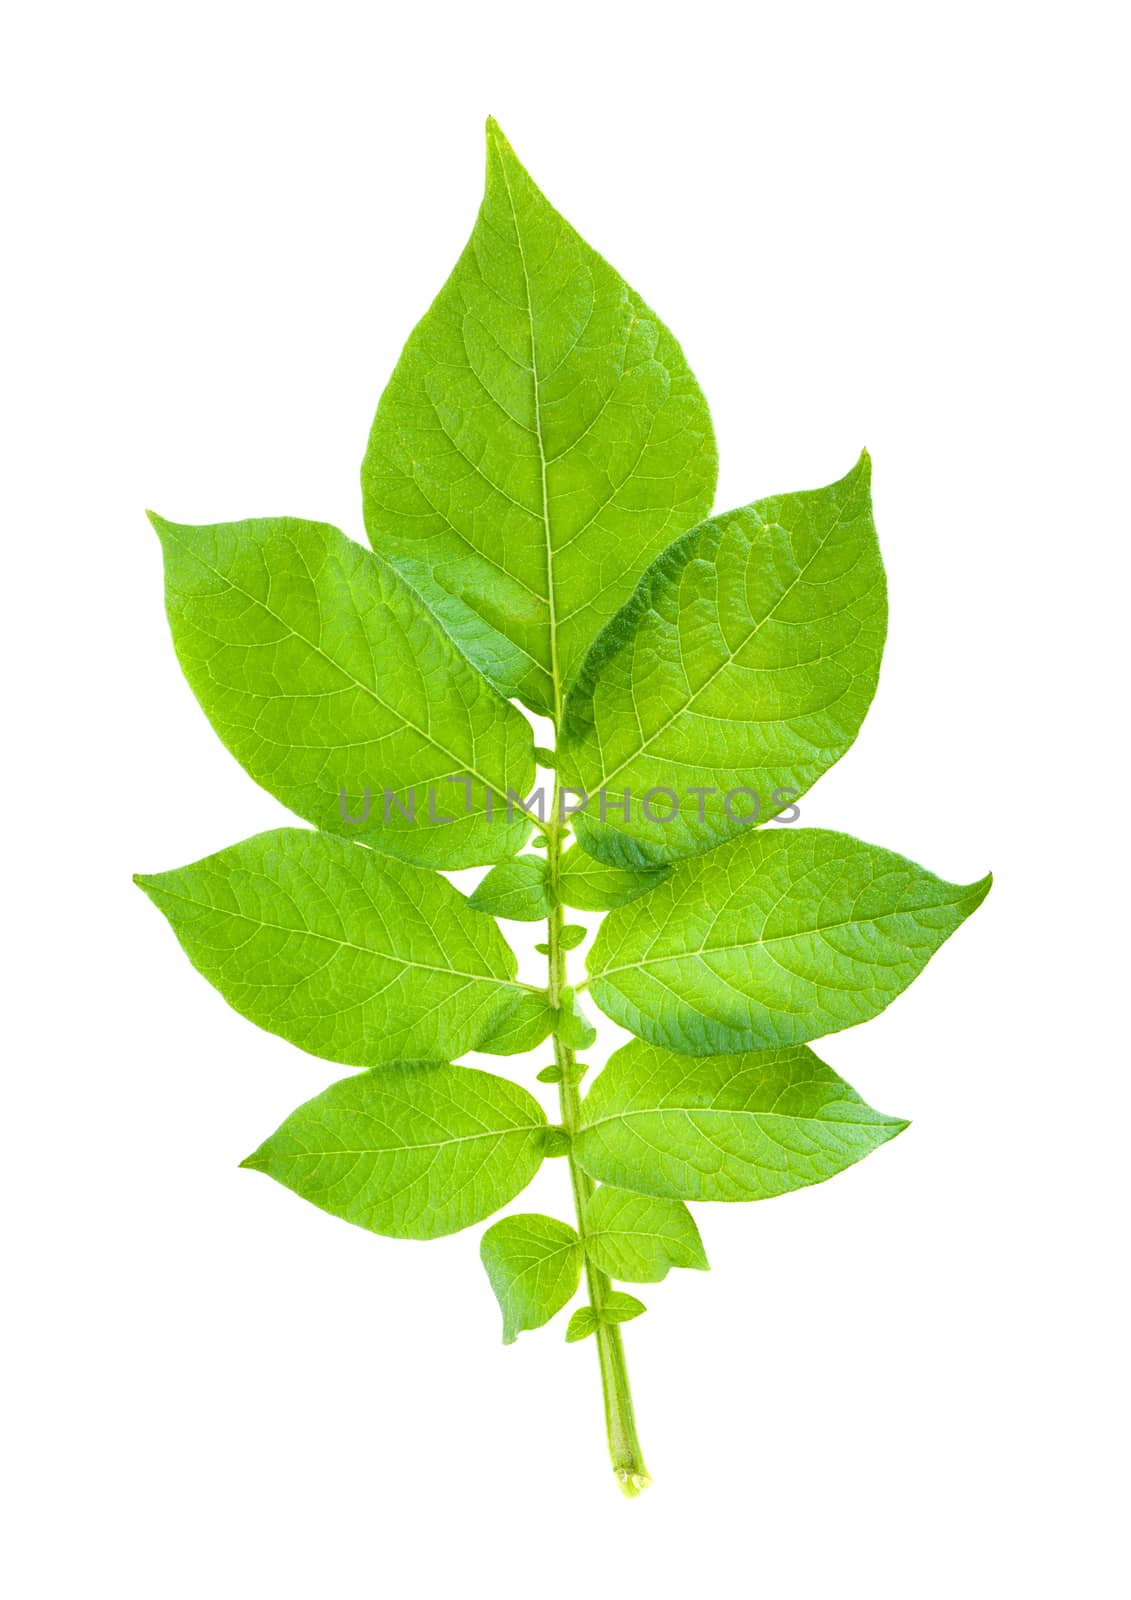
(738,1127)
(772,940)
(324,674)
(540,442)
(416,1153)
(544,757)
(524,1029)
(621,1307)
(348,954)
(638,1238)
(581,1324)
(516,889)
(550,1075)
(590,885)
(739,671)
(534,1264)
(572,1026)
(572,935)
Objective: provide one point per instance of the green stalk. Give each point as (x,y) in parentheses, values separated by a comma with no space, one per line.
(620,1420)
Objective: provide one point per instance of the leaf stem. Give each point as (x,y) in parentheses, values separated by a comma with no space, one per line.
(620,1419)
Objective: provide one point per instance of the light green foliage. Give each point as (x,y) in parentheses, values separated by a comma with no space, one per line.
(771,940)
(416,1153)
(351,955)
(322,672)
(638,1238)
(620,1307)
(534,1264)
(581,1324)
(537,489)
(531,1021)
(541,440)
(587,884)
(573,1027)
(745,660)
(738,1127)
(515,889)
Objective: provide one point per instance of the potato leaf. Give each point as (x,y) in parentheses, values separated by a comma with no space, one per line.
(638,1238)
(531,1021)
(540,442)
(415,1153)
(534,1265)
(773,940)
(587,884)
(326,678)
(535,488)
(739,1127)
(351,955)
(740,669)
(515,889)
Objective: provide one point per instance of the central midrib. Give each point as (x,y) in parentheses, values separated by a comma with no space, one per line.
(759,943)
(347,944)
(555,673)
(431,1144)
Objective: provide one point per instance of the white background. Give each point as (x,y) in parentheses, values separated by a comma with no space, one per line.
(897,226)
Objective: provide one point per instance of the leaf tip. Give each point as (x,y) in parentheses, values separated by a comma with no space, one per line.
(500,149)
(977,892)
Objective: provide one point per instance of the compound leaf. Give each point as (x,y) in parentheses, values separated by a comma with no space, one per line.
(772,940)
(349,954)
(736,1127)
(638,1238)
(516,889)
(587,884)
(534,1264)
(416,1153)
(541,440)
(324,675)
(743,665)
